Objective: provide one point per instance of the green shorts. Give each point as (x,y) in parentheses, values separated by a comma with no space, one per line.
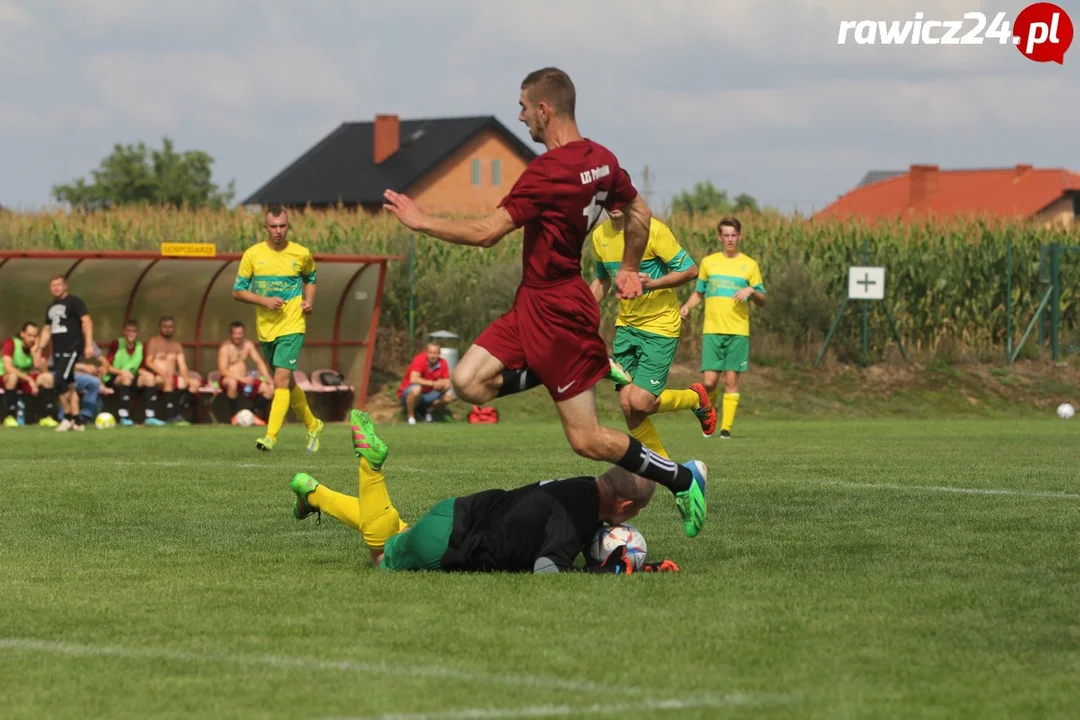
(646,356)
(725,353)
(284,351)
(422,546)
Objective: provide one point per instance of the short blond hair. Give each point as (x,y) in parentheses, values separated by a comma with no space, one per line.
(628,486)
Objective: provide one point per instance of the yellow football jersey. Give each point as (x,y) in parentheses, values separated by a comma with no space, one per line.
(277,273)
(719,278)
(655,311)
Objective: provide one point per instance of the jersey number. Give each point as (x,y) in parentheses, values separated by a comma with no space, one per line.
(593,209)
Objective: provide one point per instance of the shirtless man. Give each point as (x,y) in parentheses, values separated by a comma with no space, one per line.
(233,357)
(165,359)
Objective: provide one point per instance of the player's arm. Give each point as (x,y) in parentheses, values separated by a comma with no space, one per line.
(681,268)
(415,378)
(482,232)
(600,288)
(43,339)
(635,240)
(242,287)
(182,366)
(756,291)
(307,276)
(260,364)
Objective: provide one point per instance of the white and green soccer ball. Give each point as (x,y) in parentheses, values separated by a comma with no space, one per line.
(104,421)
(1065,411)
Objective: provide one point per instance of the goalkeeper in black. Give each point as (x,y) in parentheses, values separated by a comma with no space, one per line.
(538,528)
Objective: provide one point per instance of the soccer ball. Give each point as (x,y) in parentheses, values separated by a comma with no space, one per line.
(1065,411)
(104,421)
(612,536)
(245,418)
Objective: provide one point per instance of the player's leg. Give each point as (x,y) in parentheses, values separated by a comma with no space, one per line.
(494,365)
(184,396)
(88,388)
(151,384)
(590,439)
(636,401)
(47,394)
(287,355)
(264,395)
(411,398)
(231,386)
(122,386)
(279,406)
(11,382)
(736,361)
(427,403)
(660,355)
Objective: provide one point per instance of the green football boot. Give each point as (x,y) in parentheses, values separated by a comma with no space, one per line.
(265,443)
(366,443)
(302,484)
(691,503)
(617,374)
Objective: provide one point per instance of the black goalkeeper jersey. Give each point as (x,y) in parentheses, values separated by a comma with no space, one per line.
(510,530)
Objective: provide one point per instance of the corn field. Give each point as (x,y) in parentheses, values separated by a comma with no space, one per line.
(945,285)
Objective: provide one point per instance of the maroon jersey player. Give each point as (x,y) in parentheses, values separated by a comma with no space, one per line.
(550,336)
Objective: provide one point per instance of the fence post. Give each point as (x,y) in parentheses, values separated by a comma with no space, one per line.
(1008,301)
(412,294)
(1055,300)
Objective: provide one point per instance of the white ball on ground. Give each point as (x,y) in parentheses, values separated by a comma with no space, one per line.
(245,418)
(1065,411)
(104,421)
(610,537)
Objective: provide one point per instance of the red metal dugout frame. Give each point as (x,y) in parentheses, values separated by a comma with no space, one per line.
(226,259)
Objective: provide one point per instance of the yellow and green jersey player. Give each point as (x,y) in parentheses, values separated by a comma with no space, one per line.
(278,277)
(647,328)
(728,281)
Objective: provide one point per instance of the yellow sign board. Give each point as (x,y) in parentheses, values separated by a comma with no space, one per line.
(173,249)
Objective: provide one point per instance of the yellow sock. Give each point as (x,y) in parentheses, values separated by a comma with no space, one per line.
(278,408)
(337,505)
(379,519)
(298,400)
(672,400)
(731,401)
(646,434)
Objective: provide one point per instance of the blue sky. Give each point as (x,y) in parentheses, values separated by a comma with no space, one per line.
(754,95)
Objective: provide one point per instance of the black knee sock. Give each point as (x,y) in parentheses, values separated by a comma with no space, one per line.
(9,403)
(170,405)
(234,406)
(151,404)
(48,401)
(261,405)
(186,396)
(642,461)
(515,381)
(124,411)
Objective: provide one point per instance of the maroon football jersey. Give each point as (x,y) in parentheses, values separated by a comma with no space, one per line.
(558,200)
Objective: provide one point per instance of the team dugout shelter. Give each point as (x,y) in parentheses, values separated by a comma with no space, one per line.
(193,283)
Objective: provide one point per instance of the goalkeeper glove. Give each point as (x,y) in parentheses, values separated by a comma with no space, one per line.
(616,563)
(662,566)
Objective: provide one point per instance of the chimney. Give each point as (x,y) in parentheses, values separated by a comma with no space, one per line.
(924,183)
(387,136)
(1022,170)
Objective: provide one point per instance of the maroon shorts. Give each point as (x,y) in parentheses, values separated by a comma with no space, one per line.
(554,331)
(24,387)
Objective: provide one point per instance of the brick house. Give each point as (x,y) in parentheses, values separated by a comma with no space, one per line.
(1044,195)
(448,165)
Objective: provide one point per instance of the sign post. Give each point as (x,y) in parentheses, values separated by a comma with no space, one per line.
(865,284)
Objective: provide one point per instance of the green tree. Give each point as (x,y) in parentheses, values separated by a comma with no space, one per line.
(138,175)
(706,198)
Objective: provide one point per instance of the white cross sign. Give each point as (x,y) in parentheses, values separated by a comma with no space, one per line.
(866,283)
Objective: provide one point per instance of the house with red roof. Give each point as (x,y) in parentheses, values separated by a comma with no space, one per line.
(1047,196)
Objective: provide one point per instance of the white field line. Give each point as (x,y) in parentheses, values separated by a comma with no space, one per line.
(543,711)
(283,661)
(1050,494)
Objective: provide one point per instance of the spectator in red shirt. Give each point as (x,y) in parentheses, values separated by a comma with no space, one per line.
(426,385)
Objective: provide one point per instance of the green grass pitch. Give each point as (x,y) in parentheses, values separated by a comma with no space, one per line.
(849,569)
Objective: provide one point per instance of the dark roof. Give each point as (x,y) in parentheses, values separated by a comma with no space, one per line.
(341,167)
(873,176)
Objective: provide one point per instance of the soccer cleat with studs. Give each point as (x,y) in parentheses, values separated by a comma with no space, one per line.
(705,412)
(366,444)
(302,485)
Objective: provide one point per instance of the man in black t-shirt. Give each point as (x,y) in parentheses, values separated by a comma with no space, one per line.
(70,328)
(538,528)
